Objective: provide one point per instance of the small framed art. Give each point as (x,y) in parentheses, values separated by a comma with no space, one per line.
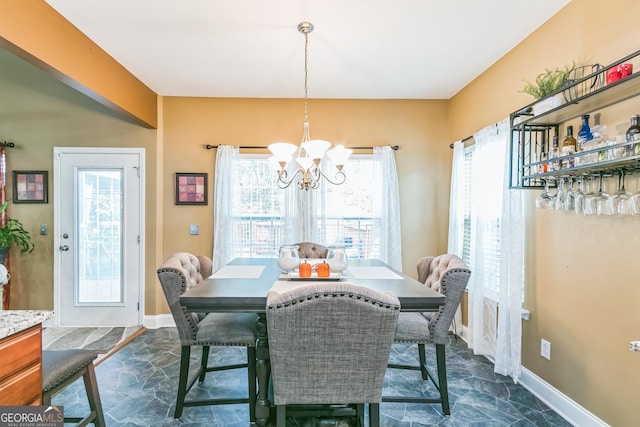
(30,187)
(191,188)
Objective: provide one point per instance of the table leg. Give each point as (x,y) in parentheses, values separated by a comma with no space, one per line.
(263,372)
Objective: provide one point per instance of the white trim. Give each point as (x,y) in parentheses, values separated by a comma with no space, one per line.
(159,321)
(558,401)
(552,397)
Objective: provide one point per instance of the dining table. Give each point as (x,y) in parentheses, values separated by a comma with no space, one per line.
(243,284)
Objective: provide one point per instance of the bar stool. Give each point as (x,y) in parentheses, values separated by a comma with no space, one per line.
(60,368)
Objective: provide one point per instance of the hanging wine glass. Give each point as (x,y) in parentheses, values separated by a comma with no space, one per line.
(570,197)
(578,204)
(621,200)
(561,195)
(545,200)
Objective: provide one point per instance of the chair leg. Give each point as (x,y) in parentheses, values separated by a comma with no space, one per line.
(93,395)
(423,361)
(281,416)
(360,414)
(182,381)
(442,378)
(374,415)
(204,361)
(253,391)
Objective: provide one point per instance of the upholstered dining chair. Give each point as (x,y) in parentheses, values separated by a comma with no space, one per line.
(449,275)
(329,344)
(182,271)
(312,250)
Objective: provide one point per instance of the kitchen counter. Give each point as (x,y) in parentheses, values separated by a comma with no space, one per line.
(14,321)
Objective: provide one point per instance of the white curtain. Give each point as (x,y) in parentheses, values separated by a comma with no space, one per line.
(456,201)
(497,253)
(456,215)
(223,206)
(391,250)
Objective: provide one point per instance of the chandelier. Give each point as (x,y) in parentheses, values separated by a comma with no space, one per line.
(311,151)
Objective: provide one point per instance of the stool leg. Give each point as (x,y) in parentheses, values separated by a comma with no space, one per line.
(91,387)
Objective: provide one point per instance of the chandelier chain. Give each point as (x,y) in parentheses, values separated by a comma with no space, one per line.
(306,68)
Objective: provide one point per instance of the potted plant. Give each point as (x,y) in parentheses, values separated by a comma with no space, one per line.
(546,84)
(13,233)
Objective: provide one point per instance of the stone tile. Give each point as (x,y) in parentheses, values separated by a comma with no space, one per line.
(138,388)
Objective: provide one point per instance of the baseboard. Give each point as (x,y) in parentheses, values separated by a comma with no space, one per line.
(558,401)
(158,321)
(552,397)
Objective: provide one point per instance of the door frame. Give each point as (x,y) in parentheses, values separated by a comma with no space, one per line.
(57,152)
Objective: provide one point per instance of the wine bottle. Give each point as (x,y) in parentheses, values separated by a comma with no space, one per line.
(569,147)
(554,154)
(633,134)
(544,158)
(584,136)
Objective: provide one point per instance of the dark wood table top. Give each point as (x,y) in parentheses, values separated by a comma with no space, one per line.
(250,295)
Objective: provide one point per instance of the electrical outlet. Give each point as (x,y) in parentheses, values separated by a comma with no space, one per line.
(43,229)
(194,229)
(545,349)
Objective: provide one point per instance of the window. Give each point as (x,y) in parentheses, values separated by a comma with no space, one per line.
(348,214)
(490,246)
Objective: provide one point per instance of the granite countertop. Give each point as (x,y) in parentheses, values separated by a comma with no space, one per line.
(14,321)
(634,345)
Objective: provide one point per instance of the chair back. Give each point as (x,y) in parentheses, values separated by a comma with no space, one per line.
(180,272)
(330,343)
(312,250)
(449,275)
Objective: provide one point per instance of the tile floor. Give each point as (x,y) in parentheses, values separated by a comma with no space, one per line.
(138,388)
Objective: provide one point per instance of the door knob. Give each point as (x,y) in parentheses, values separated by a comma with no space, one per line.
(64,247)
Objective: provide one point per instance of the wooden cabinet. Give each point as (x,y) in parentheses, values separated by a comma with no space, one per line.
(21,368)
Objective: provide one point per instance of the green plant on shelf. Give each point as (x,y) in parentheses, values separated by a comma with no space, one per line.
(548,82)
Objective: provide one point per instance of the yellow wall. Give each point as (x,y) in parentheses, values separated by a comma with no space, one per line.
(581,288)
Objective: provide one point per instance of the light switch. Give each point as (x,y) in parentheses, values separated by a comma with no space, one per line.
(194,229)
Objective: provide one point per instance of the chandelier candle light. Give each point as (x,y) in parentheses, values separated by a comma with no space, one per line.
(311,151)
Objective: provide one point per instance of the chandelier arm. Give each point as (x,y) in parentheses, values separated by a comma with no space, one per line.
(282,183)
(340,177)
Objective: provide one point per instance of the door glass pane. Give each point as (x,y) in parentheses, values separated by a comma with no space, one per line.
(99,231)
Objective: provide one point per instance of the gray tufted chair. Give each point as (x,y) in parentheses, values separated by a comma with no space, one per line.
(329,344)
(312,250)
(182,271)
(449,275)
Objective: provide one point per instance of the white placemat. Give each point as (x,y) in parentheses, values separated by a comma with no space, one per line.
(239,272)
(373,273)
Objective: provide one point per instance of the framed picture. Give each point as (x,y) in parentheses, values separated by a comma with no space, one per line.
(30,187)
(191,188)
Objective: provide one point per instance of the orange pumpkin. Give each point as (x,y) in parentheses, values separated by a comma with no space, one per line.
(324,270)
(305,269)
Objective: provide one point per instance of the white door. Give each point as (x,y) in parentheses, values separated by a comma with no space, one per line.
(98,223)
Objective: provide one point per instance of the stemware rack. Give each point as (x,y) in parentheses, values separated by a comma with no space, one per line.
(531,132)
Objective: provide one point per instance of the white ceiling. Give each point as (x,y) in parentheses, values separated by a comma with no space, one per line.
(360,49)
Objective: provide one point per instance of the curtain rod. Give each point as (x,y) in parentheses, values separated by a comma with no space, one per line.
(213,147)
(463,140)
(7,144)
